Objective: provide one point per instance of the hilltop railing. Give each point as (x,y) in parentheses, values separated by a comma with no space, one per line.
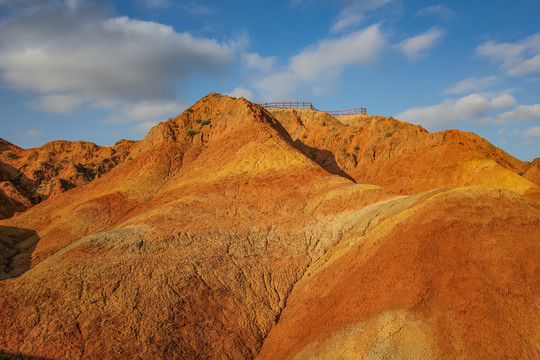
(309,105)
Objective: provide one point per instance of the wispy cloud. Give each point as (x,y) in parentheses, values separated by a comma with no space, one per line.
(242,92)
(416,47)
(441,11)
(359,48)
(323,63)
(471,84)
(523,113)
(254,61)
(451,112)
(147,111)
(58,103)
(33,133)
(354,11)
(518,58)
(532,132)
(156,4)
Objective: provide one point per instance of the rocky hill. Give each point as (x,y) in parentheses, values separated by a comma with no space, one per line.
(235,232)
(30,176)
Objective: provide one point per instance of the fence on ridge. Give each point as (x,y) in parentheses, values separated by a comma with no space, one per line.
(309,105)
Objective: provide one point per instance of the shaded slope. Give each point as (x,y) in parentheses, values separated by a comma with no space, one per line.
(401,157)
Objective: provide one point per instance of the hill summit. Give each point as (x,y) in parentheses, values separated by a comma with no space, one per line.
(231,231)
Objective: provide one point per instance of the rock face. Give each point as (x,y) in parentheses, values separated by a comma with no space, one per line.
(30,176)
(404,158)
(220,238)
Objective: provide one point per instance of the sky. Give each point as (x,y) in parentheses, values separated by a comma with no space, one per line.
(100,71)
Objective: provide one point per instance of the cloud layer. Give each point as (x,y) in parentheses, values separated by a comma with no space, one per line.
(451,112)
(519,58)
(74,52)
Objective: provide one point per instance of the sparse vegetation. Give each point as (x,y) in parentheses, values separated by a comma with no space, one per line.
(12,155)
(198,121)
(191,132)
(205,122)
(38,175)
(189,110)
(356,148)
(388,134)
(520,173)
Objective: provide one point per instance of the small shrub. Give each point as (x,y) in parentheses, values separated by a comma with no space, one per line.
(460,143)
(189,110)
(304,136)
(191,132)
(388,134)
(198,121)
(347,154)
(130,158)
(356,148)
(520,173)
(12,155)
(205,122)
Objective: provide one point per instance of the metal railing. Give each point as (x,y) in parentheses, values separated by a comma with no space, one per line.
(309,105)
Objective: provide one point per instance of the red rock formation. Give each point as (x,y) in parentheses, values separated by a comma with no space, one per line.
(53,168)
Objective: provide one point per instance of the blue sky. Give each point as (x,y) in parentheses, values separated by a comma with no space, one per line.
(104,70)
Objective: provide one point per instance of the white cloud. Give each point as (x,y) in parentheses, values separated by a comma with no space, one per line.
(156,4)
(451,112)
(443,12)
(318,68)
(242,92)
(471,84)
(354,11)
(507,136)
(416,47)
(254,61)
(149,111)
(359,48)
(277,87)
(33,133)
(503,101)
(532,132)
(53,48)
(523,113)
(145,126)
(519,58)
(58,103)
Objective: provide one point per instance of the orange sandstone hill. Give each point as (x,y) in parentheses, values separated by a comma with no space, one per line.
(235,232)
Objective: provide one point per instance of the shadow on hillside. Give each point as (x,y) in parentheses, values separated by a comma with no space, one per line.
(325,158)
(16,248)
(14,356)
(9,206)
(23,184)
